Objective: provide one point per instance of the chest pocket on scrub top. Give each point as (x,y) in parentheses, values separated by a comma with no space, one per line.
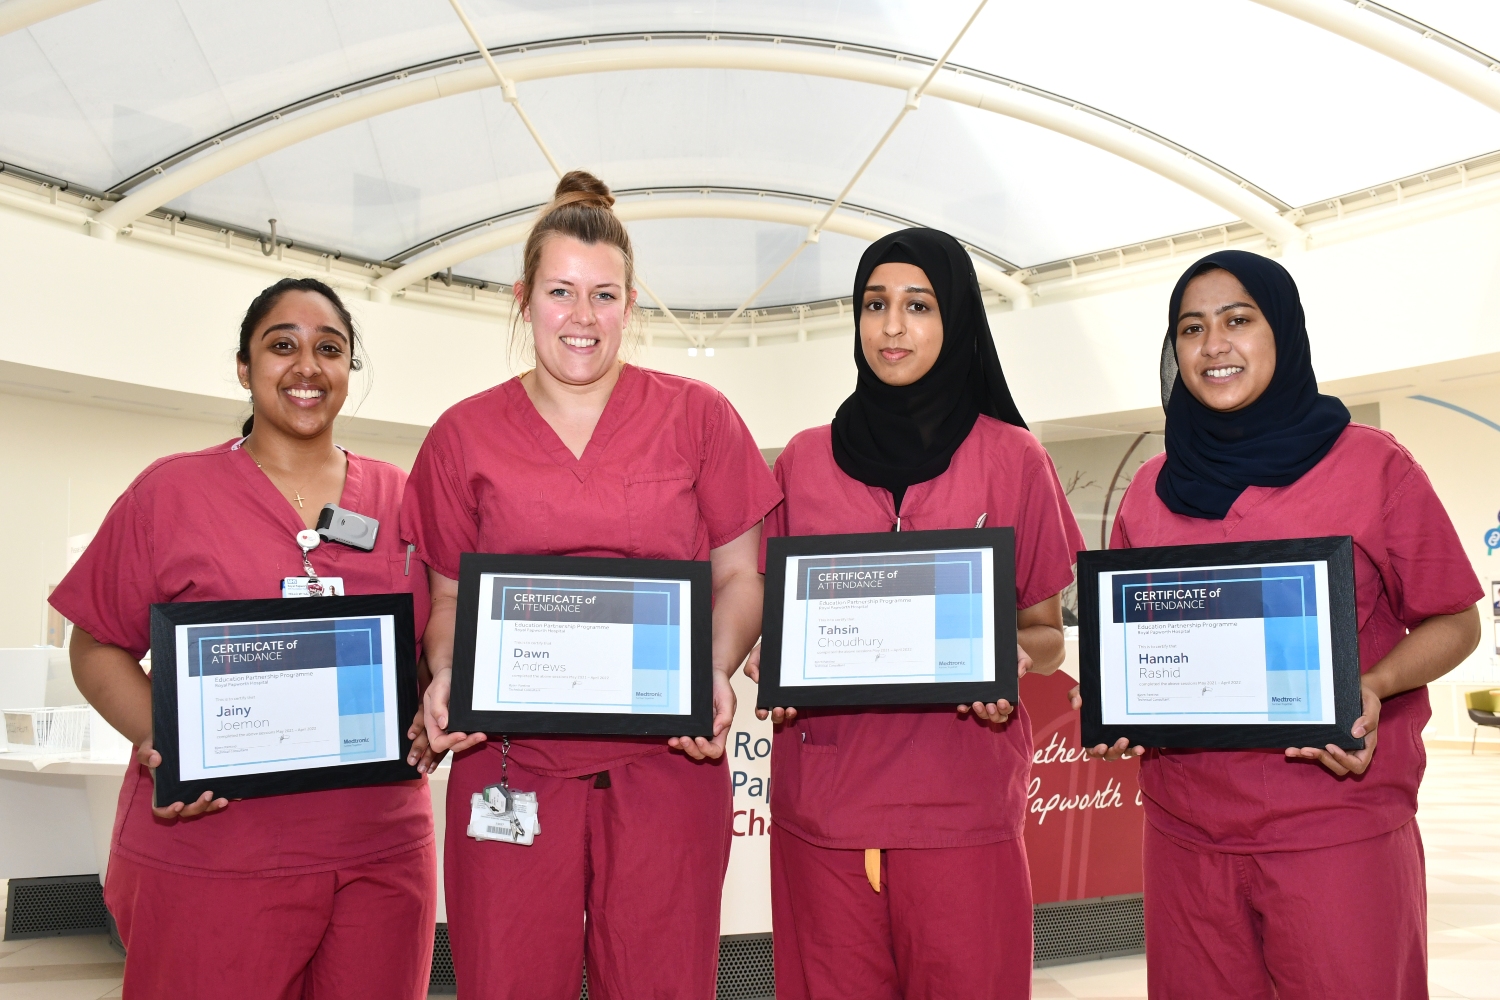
(662,508)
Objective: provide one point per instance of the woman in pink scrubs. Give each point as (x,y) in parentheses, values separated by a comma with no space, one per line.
(1296,874)
(327,893)
(898,869)
(587,456)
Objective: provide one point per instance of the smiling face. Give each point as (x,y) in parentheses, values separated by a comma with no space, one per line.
(298,366)
(900,328)
(1226,349)
(577,307)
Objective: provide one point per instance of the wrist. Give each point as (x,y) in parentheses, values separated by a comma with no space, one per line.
(1377,684)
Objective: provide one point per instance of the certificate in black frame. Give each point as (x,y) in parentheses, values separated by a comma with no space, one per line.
(165,619)
(1336,551)
(1002,587)
(464,718)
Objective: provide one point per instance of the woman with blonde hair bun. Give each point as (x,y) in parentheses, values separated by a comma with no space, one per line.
(586,455)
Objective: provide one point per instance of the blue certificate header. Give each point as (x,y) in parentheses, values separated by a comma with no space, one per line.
(1239,592)
(893,574)
(295,645)
(622,602)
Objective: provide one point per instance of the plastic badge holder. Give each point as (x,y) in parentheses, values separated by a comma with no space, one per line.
(47,730)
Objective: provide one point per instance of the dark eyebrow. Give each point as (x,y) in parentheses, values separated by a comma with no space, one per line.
(919,289)
(293,327)
(1219,311)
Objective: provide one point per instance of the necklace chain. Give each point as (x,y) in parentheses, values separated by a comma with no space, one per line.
(296,492)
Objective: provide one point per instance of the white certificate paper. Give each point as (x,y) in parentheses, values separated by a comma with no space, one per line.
(888,618)
(583,644)
(1217,645)
(256,697)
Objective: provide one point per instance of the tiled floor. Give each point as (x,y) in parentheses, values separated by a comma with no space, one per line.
(66,968)
(1460,819)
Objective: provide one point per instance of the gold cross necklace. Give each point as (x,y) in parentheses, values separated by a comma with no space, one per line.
(296,493)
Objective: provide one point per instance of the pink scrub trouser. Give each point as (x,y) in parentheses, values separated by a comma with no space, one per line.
(1346,921)
(948,924)
(364,930)
(644,858)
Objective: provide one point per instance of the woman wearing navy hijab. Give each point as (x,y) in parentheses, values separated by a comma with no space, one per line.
(1293,874)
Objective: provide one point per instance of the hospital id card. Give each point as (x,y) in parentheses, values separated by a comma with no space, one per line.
(1244,649)
(913,617)
(312,693)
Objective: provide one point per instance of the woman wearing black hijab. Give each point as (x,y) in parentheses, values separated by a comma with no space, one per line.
(1299,874)
(897,863)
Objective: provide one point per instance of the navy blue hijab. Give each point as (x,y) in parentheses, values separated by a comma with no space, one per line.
(1212,456)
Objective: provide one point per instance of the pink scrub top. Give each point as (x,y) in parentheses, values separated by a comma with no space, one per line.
(1408,567)
(918,777)
(670,472)
(209,526)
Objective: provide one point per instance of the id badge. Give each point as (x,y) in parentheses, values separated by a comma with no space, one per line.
(504,815)
(302,586)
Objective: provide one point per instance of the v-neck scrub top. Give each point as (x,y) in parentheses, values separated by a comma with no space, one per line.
(670,472)
(209,526)
(1408,566)
(918,777)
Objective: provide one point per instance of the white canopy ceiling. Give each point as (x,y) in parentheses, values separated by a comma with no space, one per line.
(100,95)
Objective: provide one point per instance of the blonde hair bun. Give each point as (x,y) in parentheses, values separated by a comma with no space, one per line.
(579,187)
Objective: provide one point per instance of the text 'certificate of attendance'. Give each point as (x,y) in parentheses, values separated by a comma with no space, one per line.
(888,618)
(581,644)
(1244,645)
(268,696)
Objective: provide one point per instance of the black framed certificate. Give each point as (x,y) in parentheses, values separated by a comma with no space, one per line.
(583,646)
(895,618)
(1231,646)
(253,698)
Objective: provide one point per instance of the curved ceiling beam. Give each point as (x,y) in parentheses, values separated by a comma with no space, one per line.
(950,85)
(758,210)
(774,195)
(1395,41)
(18,14)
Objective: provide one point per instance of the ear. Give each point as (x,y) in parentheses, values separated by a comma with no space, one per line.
(519,291)
(243,367)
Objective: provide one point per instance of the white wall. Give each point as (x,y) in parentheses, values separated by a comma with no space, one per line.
(1461,456)
(62,464)
(1417,295)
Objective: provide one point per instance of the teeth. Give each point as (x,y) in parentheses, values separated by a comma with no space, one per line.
(305,393)
(580,341)
(1223,372)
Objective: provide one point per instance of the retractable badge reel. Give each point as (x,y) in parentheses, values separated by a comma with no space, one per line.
(500,812)
(310,585)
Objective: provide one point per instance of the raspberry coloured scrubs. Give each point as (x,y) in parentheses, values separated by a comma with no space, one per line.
(1272,877)
(316,893)
(942,794)
(670,472)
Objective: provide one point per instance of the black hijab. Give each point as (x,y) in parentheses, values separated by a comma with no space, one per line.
(1212,456)
(896,436)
